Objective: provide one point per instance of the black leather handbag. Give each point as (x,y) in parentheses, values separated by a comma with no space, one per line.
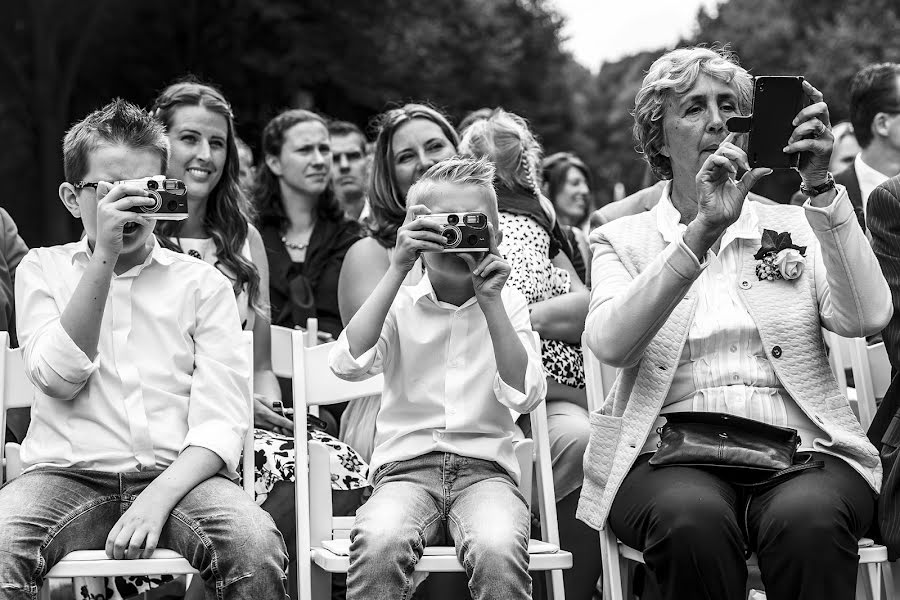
(746,452)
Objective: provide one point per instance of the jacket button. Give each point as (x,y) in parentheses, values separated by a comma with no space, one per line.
(746,285)
(776,351)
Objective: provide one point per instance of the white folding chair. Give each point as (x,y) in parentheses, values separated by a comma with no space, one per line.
(323,539)
(872,556)
(17,391)
(839,359)
(871,375)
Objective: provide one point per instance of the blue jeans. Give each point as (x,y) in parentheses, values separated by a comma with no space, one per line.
(431,500)
(47,513)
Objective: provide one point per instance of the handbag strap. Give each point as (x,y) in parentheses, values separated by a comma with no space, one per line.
(783,474)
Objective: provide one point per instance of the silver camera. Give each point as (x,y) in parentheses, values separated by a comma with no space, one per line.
(463,232)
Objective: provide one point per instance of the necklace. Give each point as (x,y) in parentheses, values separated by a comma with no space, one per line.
(293,245)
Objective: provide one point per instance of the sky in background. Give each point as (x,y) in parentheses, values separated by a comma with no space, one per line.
(607,30)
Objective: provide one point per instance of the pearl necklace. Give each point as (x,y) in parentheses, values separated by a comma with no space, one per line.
(294,246)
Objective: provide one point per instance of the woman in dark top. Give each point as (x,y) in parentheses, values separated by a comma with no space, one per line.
(303,227)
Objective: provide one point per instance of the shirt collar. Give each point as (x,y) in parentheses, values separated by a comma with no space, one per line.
(424,289)
(868,175)
(668,221)
(157,253)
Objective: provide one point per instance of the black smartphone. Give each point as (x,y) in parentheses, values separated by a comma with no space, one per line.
(776,101)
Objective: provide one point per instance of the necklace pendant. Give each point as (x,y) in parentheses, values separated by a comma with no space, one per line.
(292,245)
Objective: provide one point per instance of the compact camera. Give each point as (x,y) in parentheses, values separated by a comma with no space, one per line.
(170,196)
(463,232)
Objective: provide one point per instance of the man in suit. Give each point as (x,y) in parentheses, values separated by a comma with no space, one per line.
(875,115)
(883,218)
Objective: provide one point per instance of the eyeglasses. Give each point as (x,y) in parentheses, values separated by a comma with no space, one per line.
(80,185)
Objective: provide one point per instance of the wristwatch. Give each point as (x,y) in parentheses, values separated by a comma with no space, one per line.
(814,190)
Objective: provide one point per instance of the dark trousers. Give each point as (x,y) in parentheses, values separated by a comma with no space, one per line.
(696,530)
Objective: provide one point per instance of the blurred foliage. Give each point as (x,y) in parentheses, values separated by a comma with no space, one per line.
(60,59)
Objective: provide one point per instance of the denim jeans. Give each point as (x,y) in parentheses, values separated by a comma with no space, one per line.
(431,500)
(47,513)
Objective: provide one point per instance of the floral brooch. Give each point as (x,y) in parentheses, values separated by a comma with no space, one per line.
(779,257)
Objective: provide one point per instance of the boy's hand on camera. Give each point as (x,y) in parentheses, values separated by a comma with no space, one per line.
(113,203)
(490,274)
(136,533)
(414,237)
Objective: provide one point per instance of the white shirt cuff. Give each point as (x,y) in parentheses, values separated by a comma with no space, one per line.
(344,365)
(825,218)
(62,354)
(219,438)
(535,389)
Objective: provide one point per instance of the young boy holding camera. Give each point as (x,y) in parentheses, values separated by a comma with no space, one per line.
(141,401)
(458,352)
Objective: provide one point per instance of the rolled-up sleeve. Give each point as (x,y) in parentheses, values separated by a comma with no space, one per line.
(53,362)
(369,363)
(627,311)
(535,381)
(854,298)
(218,414)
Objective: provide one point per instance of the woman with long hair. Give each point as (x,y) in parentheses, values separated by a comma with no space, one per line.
(541,259)
(567,183)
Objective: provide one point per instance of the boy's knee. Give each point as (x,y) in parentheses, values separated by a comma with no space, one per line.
(386,540)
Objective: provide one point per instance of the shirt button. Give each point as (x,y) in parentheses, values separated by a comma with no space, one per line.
(733,348)
(776,351)
(746,285)
(451,410)
(735,377)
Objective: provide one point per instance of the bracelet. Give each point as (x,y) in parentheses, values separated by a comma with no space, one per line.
(814,190)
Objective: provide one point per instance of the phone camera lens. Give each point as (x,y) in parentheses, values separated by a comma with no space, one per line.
(453,219)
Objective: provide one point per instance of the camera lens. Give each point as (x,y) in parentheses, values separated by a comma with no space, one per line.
(453,219)
(451,237)
(152,184)
(156,206)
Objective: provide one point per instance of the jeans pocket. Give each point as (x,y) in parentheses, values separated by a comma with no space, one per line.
(383,470)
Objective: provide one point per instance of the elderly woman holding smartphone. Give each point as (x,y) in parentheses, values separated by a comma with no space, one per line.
(705,308)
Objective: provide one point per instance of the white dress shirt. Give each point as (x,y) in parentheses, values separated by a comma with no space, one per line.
(442,391)
(868,178)
(170,370)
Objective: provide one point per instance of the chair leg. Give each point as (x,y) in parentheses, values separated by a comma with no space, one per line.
(889,572)
(871,584)
(556,590)
(612,572)
(320,583)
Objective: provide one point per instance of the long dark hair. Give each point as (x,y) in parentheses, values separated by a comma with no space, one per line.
(388,205)
(267,191)
(228,212)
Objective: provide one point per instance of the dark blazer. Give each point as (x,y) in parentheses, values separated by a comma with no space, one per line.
(883,218)
(849,180)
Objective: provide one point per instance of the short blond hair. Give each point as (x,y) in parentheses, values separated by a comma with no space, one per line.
(463,172)
(675,73)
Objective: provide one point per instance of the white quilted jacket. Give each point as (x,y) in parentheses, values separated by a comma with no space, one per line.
(785,312)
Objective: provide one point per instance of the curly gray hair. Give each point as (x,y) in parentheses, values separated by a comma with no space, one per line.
(675,73)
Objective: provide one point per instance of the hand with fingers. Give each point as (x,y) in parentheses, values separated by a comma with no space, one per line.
(113,204)
(136,533)
(267,415)
(489,275)
(720,195)
(414,237)
(812,137)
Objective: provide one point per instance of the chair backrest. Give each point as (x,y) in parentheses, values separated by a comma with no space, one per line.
(839,350)
(871,376)
(16,391)
(598,377)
